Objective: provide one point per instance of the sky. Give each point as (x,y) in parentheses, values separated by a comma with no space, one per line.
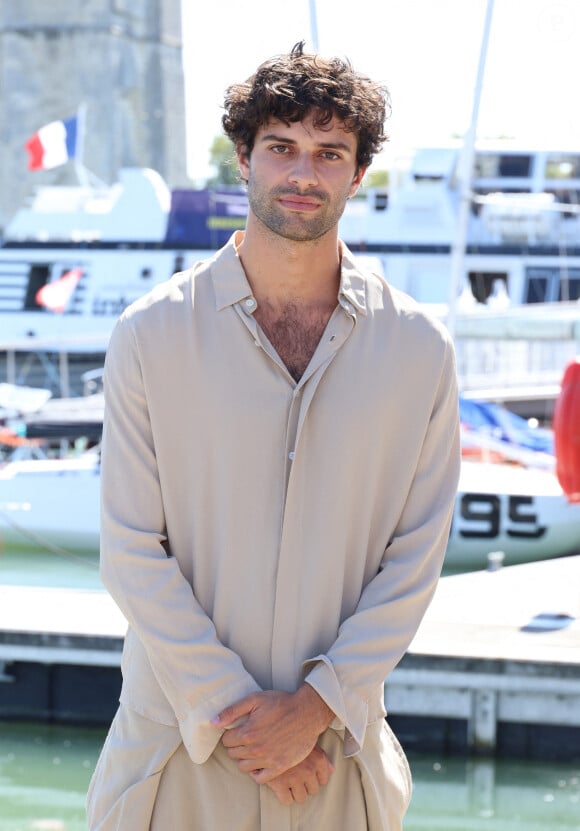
(427,52)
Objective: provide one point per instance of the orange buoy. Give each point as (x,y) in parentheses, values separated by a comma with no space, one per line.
(566,426)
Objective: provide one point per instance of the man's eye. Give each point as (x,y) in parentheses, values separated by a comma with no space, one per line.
(330,155)
(280,149)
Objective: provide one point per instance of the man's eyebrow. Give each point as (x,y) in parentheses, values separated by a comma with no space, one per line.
(330,145)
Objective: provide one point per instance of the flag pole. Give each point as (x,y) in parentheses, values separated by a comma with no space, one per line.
(81,171)
(86,177)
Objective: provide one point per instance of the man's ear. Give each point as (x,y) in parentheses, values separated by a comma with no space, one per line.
(359,176)
(243,157)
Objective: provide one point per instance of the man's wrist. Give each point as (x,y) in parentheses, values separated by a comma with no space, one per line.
(320,712)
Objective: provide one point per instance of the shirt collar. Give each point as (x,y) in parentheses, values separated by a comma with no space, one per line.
(231,284)
(229,279)
(353,283)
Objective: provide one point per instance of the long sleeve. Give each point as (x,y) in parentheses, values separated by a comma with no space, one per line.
(197,674)
(371,641)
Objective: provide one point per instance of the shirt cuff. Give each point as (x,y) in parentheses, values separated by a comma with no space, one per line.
(350,709)
(198,735)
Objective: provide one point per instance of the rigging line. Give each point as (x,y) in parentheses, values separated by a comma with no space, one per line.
(47,546)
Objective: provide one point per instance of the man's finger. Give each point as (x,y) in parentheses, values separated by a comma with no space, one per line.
(323,774)
(312,785)
(236,711)
(248,765)
(283,793)
(264,776)
(232,739)
(299,793)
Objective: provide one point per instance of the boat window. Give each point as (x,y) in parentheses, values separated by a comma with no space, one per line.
(537,289)
(486,166)
(539,284)
(518,166)
(504,165)
(421,177)
(178,264)
(381,201)
(569,285)
(37,278)
(563,167)
(548,284)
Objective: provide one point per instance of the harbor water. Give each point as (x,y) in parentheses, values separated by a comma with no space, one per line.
(45,770)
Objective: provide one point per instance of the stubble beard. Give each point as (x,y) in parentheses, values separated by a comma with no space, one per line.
(298,227)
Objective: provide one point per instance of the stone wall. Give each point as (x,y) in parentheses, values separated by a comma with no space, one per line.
(122,59)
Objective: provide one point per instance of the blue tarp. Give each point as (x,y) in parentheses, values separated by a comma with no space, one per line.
(501,424)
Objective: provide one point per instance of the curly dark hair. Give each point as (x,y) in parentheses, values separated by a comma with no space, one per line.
(291,86)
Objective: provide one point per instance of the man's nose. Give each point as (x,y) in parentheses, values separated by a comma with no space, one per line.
(303,171)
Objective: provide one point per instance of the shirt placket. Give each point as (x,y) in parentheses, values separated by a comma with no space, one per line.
(273,815)
(287,597)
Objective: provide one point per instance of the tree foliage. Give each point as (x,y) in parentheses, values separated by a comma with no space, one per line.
(376,179)
(223,159)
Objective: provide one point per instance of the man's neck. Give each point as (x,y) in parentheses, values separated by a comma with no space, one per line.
(282,271)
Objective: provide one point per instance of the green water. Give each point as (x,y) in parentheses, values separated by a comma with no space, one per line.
(44,774)
(45,770)
(475,795)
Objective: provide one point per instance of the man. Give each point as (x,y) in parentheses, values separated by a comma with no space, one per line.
(279,464)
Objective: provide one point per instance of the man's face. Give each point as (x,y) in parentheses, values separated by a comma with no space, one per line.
(299,177)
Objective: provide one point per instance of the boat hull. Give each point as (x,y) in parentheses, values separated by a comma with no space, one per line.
(520,512)
(50,505)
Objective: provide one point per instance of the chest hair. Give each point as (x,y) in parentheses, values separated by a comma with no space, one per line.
(294,332)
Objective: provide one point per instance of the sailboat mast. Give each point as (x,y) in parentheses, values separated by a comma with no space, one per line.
(313,25)
(465,178)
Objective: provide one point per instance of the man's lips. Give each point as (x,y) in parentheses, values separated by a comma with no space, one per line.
(299,203)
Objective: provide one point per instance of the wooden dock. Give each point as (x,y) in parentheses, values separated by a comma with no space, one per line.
(493,670)
(495,666)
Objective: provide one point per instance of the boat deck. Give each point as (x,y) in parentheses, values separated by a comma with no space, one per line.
(494,668)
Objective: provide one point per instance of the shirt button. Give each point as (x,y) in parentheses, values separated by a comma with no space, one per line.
(250,303)
(291,455)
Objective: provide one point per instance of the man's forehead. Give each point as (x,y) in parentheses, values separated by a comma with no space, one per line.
(335,130)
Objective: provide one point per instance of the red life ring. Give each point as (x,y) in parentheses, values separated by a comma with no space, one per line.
(566,426)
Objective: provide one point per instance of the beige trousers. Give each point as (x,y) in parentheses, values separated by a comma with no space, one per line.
(145,781)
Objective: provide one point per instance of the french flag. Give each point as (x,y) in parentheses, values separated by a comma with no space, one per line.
(53,145)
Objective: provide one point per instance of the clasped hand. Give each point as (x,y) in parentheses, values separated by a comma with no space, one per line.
(272,737)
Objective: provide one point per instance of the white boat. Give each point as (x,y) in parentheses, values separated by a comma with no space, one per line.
(117,243)
(51,504)
(522,240)
(519,514)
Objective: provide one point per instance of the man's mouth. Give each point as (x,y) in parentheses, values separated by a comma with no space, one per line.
(295,202)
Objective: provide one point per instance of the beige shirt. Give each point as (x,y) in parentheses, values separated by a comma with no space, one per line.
(257,532)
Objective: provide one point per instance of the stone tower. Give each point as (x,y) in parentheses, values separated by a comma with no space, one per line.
(121,59)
